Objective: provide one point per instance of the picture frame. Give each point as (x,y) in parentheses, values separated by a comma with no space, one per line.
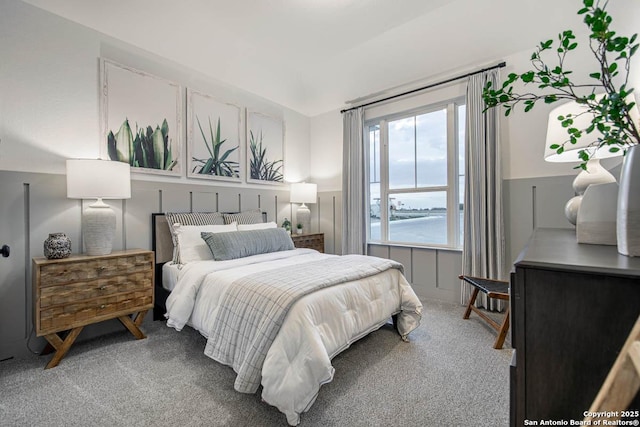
(214,149)
(141,119)
(265,149)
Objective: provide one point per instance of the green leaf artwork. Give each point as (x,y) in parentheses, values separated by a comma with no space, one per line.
(260,167)
(218,163)
(147,148)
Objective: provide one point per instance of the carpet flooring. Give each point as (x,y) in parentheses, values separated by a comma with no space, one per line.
(448,375)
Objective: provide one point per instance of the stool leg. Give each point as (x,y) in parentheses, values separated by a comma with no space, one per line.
(472,301)
(502,334)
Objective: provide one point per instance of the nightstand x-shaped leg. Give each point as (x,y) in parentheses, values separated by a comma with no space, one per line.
(62,346)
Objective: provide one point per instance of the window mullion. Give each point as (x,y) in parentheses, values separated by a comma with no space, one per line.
(452,176)
(384,180)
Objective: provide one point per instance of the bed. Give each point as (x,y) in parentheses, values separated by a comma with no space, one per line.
(276,314)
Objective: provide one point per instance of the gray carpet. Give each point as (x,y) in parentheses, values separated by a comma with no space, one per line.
(448,375)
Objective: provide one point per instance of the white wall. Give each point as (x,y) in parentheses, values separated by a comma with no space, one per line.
(535,190)
(326,151)
(523,134)
(49,112)
(49,93)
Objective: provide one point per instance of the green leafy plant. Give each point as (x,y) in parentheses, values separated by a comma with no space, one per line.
(259,167)
(148,149)
(216,164)
(606,95)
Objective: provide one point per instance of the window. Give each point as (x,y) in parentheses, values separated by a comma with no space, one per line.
(416,176)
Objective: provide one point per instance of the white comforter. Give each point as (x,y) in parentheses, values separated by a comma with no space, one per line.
(318,326)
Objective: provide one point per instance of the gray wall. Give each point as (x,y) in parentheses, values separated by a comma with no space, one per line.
(34,205)
(433,273)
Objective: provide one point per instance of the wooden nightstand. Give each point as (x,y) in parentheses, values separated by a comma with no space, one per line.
(73,292)
(311,241)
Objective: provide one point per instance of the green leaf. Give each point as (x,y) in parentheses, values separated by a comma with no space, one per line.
(124,143)
(528,77)
(158,148)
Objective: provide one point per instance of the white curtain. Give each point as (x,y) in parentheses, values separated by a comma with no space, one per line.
(483,249)
(354,188)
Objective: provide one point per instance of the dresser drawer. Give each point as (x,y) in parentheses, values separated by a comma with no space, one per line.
(57,273)
(71,314)
(84,290)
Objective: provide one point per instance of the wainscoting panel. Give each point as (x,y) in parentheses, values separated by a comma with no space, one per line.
(34,205)
(403,256)
(144,201)
(381,251)
(424,268)
(13,283)
(327,219)
(204,201)
(532,203)
(433,273)
(449,268)
(174,198)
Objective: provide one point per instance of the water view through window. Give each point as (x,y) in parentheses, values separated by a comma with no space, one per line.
(419,186)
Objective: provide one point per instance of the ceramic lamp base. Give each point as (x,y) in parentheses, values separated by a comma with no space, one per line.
(303,216)
(98,228)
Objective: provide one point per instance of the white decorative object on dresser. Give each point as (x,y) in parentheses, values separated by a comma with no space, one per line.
(73,292)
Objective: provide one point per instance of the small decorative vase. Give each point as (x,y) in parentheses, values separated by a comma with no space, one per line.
(57,246)
(299,231)
(628,214)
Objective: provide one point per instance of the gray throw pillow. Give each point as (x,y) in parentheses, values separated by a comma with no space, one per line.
(240,244)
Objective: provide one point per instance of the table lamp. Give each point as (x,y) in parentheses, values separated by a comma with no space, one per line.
(302,192)
(557,134)
(98,179)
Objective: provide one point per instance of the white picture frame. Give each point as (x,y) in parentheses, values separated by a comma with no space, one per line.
(214,129)
(265,149)
(141,119)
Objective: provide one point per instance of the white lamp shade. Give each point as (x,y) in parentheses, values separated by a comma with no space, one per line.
(98,179)
(556,134)
(302,192)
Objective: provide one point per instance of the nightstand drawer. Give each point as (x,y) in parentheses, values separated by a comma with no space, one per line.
(80,291)
(57,273)
(310,241)
(67,316)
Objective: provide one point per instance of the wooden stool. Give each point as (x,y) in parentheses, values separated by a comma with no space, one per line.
(497,289)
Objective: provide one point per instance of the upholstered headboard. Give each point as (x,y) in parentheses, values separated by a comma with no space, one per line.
(162,245)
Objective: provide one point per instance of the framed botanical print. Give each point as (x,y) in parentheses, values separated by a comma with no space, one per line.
(265,149)
(213,138)
(140,119)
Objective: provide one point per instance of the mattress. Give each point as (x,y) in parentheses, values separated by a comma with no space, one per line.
(170,274)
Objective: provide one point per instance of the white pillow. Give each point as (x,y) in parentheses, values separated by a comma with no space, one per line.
(191,247)
(260,226)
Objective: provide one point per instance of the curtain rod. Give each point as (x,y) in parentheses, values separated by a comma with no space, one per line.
(500,65)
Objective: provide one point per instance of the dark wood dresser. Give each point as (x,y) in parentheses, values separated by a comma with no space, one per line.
(573,306)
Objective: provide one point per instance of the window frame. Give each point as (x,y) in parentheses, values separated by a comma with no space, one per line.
(452,188)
